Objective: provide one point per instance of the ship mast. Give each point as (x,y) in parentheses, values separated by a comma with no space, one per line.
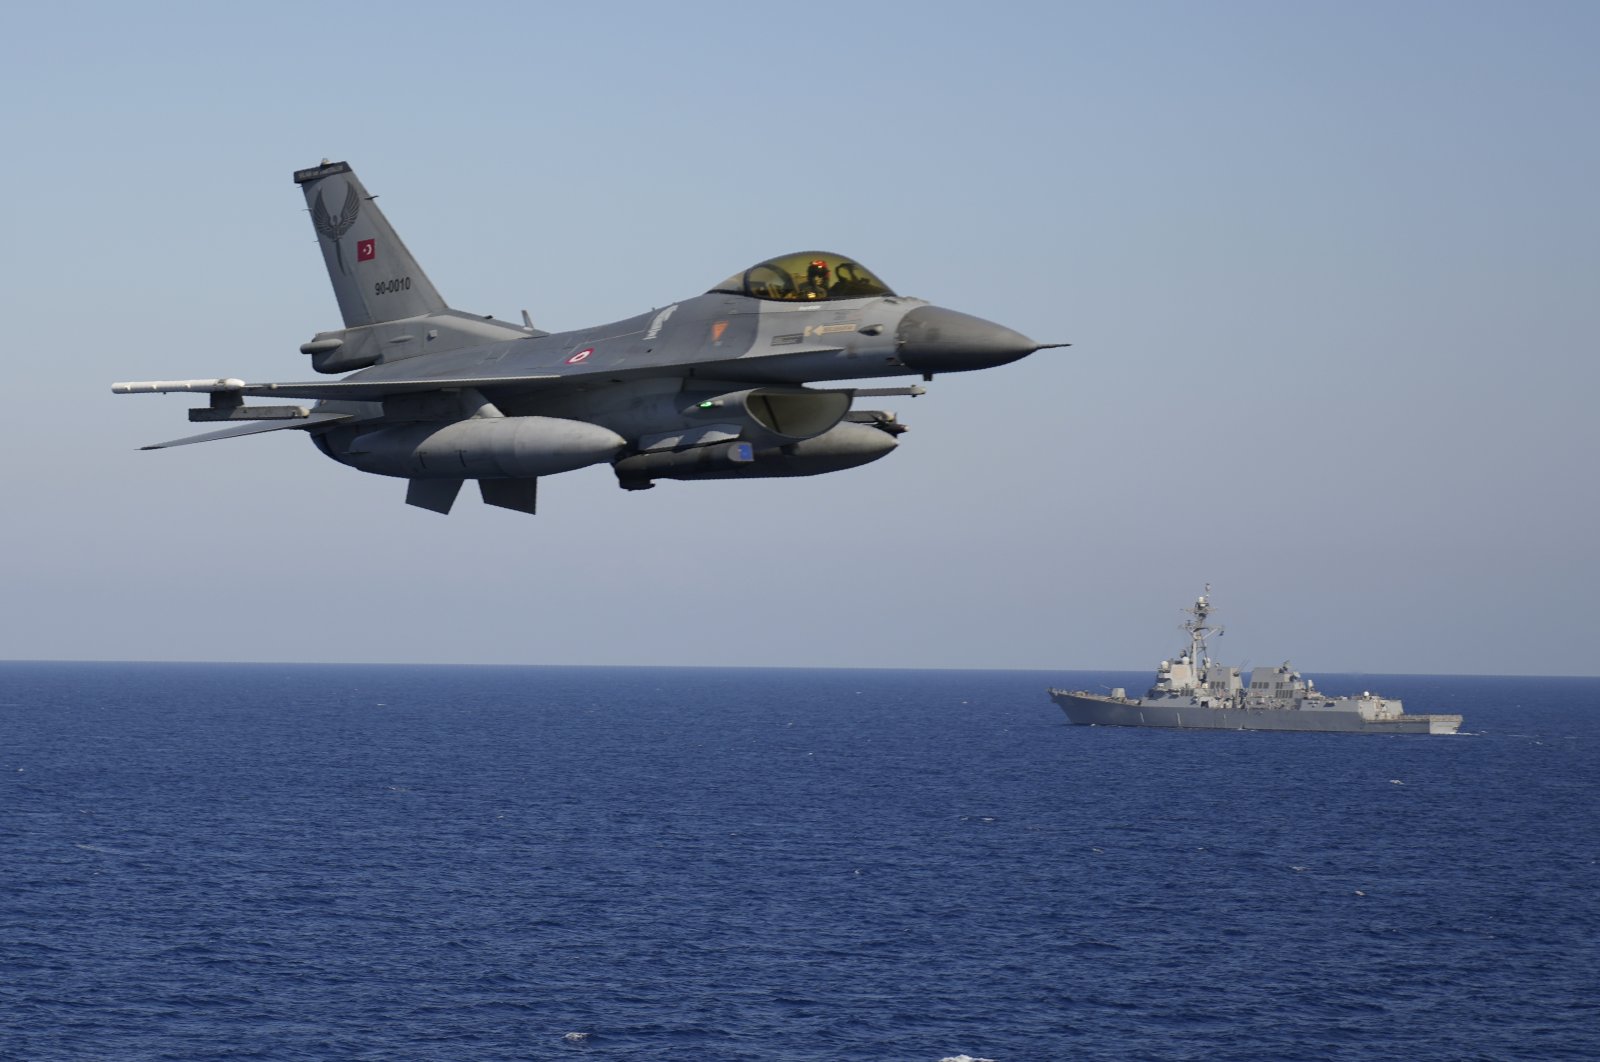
(1199,630)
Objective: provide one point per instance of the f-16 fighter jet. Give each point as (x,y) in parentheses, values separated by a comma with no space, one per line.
(711,387)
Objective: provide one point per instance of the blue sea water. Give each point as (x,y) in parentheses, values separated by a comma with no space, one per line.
(355,862)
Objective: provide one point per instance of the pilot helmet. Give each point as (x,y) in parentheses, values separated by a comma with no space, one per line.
(817,271)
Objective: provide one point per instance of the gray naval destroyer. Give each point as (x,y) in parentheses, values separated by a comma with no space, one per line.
(1194,692)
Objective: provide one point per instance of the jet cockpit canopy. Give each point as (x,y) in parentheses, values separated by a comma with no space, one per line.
(803,277)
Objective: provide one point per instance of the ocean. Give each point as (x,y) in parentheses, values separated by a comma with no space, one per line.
(359,862)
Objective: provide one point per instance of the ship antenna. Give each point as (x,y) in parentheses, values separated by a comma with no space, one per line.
(1199,630)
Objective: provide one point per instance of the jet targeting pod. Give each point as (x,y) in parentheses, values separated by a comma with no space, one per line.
(843,446)
(639,471)
(481,448)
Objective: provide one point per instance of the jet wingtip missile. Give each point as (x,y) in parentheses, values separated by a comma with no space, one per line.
(162,387)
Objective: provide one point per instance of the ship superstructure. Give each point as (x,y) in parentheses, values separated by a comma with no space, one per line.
(1192,691)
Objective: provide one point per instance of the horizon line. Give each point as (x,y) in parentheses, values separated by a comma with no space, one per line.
(741,667)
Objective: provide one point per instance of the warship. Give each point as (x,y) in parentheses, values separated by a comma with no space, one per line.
(1193,692)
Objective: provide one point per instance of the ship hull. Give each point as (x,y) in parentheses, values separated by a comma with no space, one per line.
(1088,709)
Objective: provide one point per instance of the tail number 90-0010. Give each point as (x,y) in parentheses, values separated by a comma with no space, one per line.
(389,287)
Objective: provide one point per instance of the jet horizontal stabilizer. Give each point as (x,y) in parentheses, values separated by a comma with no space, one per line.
(301,423)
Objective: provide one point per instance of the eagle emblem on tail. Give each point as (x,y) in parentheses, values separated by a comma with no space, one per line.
(333,228)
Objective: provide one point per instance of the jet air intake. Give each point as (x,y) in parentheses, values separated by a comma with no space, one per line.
(776,415)
(482,448)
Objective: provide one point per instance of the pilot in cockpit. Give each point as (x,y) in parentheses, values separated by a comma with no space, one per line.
(816,285)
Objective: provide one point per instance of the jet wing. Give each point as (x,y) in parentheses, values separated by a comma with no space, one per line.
(348,390)
(375,390)
(367,389)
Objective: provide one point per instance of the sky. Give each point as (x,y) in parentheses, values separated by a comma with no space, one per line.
(1331,273)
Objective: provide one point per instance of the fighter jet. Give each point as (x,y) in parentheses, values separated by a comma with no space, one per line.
(710,387)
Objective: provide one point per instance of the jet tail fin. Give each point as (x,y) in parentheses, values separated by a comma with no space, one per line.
(374,277)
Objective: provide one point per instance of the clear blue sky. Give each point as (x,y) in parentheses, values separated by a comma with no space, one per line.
(1330,271)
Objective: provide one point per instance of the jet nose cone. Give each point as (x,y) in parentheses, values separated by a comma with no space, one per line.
(932,339)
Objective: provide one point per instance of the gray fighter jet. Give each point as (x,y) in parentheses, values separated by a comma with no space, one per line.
(707,388)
